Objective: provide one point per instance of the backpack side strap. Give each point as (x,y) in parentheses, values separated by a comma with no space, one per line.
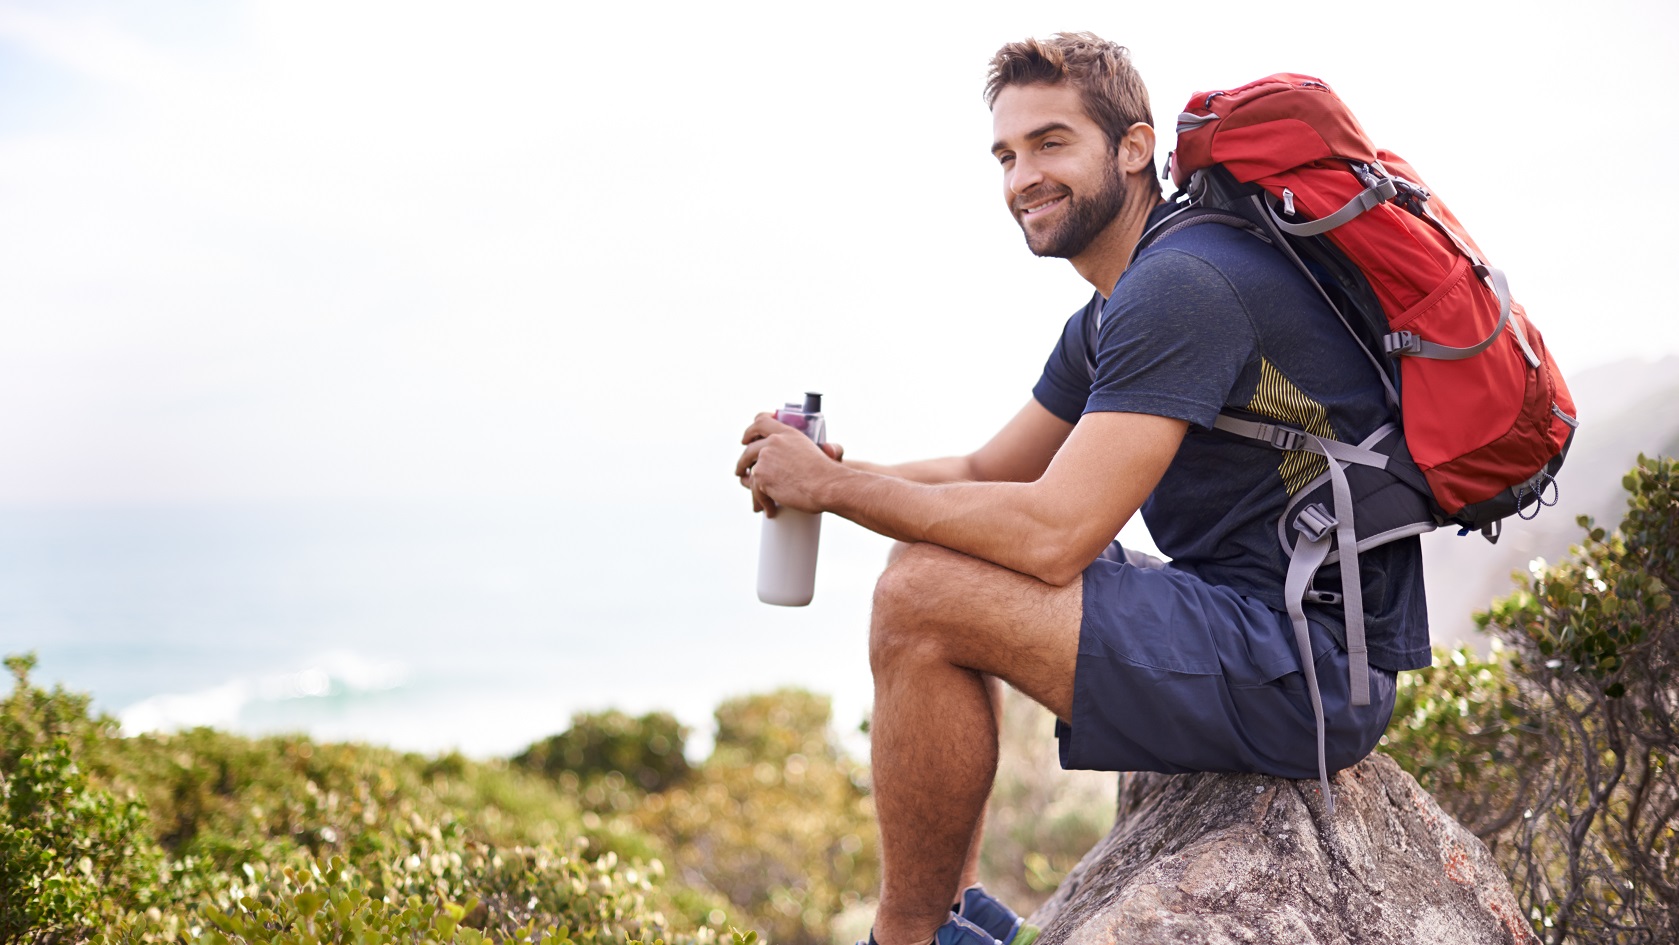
(1308,556)
(1315,525)
(1316,535)
(1378,193)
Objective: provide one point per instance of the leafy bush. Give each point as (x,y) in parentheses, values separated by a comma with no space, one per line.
(530,896)
(1560,751)
(778,820)
(647,751)
(249,840)
(71,853)
(1463,729)
(1041,820)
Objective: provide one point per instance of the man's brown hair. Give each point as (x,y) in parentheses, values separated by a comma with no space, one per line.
(1109,86)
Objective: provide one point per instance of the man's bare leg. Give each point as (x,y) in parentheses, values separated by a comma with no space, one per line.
(942,622)
(994,690)
(970,868)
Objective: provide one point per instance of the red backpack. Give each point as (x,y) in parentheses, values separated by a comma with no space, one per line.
(1484,416)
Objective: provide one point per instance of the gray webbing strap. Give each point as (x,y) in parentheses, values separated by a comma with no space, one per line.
(1310,551)
(1376,194)
(1288,438)
(1352,588)
(1408,344)
(1458,241)
(1521,340)
(1188,121)
(1300,264)
(1308,555)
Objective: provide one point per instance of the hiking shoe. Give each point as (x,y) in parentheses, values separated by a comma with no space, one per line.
(960,931)
(955,931)
(999,921)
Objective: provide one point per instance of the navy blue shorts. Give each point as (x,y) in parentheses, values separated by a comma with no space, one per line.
(1178,675)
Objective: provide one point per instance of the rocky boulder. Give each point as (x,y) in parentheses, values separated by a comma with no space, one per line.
(1224,858)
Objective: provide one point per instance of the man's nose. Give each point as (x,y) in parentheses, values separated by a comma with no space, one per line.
(1022,176)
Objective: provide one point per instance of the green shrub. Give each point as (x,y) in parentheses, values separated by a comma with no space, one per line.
(71,852)
(269,840)
(778,821)
(1559,750)
(320,902)
(1464,730)
(646,751)
(1041,819)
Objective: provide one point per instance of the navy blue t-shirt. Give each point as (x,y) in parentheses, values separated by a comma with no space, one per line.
(1212,318)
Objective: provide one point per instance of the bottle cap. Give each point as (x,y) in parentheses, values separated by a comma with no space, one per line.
(813,403)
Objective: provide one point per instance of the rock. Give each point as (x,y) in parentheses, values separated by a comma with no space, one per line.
(1229,859)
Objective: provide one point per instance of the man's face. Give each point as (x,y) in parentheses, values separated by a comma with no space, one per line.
(1061,178)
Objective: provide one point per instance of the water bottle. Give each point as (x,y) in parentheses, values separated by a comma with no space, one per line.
(787,545)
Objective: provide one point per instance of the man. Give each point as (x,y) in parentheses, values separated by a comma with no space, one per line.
(1007,570)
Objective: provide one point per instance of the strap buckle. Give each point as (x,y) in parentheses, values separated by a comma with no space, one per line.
(1401,343)
(1315,521)
(1282,437)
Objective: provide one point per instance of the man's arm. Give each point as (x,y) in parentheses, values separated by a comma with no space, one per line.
(1019,452)
(1050,527)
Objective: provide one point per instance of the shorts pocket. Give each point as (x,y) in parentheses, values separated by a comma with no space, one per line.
(1263,652)
(1155,618)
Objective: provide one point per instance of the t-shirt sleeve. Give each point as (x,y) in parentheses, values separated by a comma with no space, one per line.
(1174,339)
(1065,383)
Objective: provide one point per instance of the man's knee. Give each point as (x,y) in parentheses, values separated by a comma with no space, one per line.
(915,572)
(905,602)
(897,551)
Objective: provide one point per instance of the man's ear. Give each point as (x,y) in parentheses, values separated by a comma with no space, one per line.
(1136,149)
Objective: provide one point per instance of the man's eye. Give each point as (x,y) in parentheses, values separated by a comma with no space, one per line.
(1050,144)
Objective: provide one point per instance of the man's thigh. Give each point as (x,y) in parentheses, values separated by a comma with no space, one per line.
(982,617)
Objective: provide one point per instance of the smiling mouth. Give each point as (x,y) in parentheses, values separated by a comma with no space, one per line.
(1041,207)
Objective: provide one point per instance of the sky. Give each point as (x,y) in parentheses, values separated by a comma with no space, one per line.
(271,249)
(260,252)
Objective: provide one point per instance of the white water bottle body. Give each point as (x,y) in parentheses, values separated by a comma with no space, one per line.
(787,557)
(787,543)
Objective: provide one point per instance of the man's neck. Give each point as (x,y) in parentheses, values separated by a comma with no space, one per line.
(1105,259)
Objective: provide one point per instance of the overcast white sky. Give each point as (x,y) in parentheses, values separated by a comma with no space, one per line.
(281,249)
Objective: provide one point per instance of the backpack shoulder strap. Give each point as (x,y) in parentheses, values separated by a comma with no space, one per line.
(1190,215)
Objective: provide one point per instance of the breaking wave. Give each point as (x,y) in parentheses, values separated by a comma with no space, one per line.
(335,675)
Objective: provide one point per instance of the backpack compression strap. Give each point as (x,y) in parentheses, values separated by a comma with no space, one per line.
(1374,195)
(1316,527)
(1381,187)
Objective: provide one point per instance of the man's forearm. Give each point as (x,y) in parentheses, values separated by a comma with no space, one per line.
(1047,513)
(1049,527)
(930,471)
(1006,523)
(1019,452)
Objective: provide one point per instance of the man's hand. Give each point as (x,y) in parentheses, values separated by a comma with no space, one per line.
(781,466)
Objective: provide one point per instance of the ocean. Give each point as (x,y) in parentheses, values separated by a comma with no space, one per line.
(478,626)
(429,626)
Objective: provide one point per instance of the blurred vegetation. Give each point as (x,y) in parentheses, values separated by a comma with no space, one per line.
(1557,749)
(71,854)
(1561,749)
(1041,820)
(206,836)
(646,750)
(778,821)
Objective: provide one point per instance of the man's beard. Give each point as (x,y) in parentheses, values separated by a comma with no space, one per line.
(1085,218)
